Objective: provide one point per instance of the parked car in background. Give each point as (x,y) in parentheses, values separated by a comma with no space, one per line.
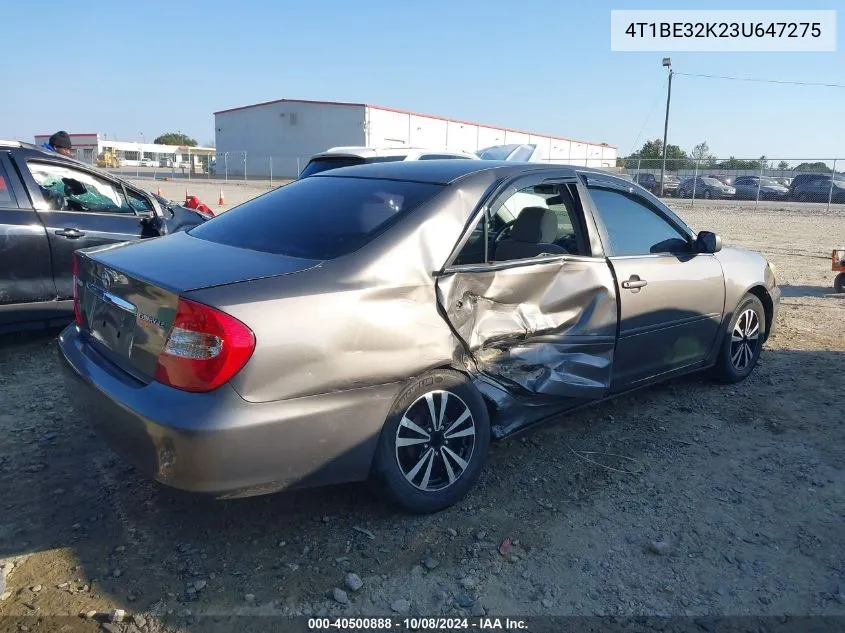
(705,187)
(51,205)
(350,156)
(525,152)
(468,300)
(725,180)
(747,188)
(149,162)
(818,188)
(650,181)
(786,182)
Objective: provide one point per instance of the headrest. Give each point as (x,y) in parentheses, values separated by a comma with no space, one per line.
(535,225)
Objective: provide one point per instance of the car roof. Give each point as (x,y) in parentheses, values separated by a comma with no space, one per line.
(446,171)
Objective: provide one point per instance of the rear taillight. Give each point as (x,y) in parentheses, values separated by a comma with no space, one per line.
(77,309)
(205,348)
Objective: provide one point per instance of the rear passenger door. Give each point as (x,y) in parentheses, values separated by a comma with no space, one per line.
(537,326)
(671,297)
(25,268)
(80,209)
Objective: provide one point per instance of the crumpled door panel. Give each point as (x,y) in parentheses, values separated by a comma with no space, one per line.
(544,328)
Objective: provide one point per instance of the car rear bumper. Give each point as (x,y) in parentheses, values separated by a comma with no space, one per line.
(217,442)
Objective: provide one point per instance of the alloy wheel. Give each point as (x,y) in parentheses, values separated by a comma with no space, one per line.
(745,339)
(435,440)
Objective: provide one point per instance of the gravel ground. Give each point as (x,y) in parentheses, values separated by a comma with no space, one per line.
(690,498)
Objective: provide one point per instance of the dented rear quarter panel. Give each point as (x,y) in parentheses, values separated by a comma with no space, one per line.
(364,319)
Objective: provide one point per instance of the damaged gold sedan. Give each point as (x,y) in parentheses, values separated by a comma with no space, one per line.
(388,321)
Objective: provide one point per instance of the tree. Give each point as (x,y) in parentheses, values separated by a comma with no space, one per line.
(701,152)
(175,138)
(650,156)
(783,165)
(742,165)
(818,167)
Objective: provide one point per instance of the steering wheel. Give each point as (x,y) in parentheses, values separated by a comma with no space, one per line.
(500,234)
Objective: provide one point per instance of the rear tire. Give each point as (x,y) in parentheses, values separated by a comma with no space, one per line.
(707,194)
(742,342)
(839,283)
(434,443)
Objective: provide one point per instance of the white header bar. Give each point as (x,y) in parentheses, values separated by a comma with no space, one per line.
(723,31)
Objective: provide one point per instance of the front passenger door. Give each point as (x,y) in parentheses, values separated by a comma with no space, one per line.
(80,209)
(671,298)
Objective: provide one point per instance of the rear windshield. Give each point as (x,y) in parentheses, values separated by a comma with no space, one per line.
(317,165)
(317,218)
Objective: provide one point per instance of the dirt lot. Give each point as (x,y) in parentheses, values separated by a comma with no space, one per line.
(686,499)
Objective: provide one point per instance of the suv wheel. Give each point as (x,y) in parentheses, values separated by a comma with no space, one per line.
(434,443)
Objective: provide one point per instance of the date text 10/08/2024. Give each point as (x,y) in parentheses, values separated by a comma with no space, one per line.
(418,624)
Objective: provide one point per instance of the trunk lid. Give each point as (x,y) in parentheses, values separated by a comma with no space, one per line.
(128,294)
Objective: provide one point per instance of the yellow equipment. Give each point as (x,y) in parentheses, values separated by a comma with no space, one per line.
(108,159)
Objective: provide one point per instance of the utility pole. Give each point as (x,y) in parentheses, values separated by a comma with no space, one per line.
(667,62)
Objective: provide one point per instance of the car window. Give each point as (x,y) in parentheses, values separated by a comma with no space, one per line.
(385,159)
(497,152)
(317,218)
(317,165)
(442,157)
(633,226)
(67,189)
(7,198)
(140,204)
(559,199)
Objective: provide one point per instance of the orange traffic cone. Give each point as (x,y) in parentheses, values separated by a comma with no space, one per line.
(221,201)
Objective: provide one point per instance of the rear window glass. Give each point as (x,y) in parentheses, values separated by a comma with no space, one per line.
(317,165)
(317,218)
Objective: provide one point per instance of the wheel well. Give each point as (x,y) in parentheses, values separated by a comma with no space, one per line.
(763,295)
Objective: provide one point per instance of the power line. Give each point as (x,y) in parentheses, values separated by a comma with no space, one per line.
(650,112)
(766,81)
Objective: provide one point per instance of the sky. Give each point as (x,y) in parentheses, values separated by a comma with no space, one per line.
(136,70)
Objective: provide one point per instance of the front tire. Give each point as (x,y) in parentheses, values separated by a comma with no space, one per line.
(743,341)
(434,443)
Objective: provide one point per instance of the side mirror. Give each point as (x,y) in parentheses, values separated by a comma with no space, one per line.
(708,242)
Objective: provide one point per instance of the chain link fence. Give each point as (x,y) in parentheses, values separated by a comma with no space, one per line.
(759,179)
(221,166)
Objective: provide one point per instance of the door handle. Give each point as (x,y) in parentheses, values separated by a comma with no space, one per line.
(70,233)
(634,283)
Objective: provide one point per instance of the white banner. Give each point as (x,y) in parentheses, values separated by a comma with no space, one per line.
(723,31)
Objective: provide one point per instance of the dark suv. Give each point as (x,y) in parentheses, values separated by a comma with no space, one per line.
(817,188)
(50,206)
(652,183)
